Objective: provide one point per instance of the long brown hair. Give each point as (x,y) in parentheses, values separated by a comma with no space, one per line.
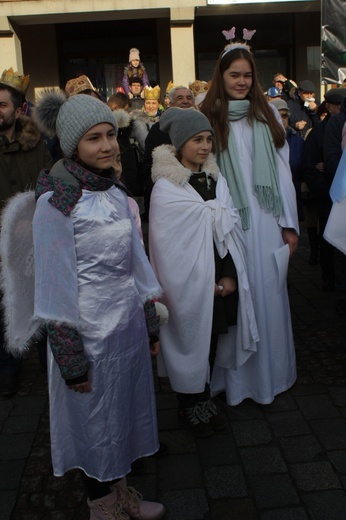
(215,104)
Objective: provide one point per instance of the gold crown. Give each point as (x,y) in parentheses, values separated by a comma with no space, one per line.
(14,80)
(152,93)
(76,85)
(198,86)
(169,87)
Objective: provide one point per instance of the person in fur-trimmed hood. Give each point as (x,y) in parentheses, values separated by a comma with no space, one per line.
(196,251)
(23,154)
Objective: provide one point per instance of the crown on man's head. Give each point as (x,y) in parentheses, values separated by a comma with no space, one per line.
(152,92)
(16,81)
(198,87)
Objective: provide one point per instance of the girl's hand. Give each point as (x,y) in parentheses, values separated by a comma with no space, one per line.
(154,348)
(290,237)
(81,387)
(225,286)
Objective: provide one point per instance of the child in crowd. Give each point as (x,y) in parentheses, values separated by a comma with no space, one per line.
(196,251)
(94,291)
(134,69)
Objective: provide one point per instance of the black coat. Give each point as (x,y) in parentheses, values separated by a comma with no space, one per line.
(298,112)
(317,181)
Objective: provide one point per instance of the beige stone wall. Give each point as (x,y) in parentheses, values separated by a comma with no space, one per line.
(10,47)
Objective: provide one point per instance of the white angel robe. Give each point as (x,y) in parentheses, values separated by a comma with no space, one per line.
(91,272)
(272,369)
(182,228)
(335,230)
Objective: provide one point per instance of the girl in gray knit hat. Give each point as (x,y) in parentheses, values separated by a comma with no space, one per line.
(94,291)
(197,254)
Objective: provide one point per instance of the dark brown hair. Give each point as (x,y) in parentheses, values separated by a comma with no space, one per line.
(215,104)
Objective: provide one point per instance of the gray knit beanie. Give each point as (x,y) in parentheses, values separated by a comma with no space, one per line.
(71,118)
(183,123)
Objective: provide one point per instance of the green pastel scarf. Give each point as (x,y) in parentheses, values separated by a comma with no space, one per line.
(264,166)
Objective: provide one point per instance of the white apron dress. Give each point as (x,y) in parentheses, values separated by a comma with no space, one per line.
(91,271)
(272,369)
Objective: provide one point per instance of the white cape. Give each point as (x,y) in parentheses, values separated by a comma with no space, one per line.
(182,228)
(335,230)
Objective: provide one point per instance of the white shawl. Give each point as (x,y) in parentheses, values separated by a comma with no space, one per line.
(182,228)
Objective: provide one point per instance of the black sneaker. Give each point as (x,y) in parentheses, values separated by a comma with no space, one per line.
(217,418)
(195,420)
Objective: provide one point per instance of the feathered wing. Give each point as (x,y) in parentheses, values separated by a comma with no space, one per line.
(17,271)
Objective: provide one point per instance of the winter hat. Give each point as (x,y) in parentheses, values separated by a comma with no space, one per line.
(273,92)
(280,104)
(183,123)
(307,86)
(134,54)
(335,95)
(70,118)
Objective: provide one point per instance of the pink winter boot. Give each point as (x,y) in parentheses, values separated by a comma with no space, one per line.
(107,508)
(133,504)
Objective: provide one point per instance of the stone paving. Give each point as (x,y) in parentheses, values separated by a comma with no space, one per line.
(283,461)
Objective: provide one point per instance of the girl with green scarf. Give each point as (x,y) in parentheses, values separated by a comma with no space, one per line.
(253,157)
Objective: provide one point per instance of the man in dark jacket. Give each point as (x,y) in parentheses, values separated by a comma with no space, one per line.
(22,155)
(319,179)
(302,106)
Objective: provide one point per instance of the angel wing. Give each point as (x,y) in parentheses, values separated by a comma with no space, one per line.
(17,271)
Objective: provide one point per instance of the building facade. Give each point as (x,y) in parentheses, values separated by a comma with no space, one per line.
(179,40)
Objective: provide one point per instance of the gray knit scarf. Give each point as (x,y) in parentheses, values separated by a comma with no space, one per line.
(265,175)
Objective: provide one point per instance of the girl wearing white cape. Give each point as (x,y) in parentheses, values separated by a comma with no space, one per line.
(197,253)
(94,291)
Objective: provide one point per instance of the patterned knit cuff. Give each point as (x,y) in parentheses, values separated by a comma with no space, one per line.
(152,320)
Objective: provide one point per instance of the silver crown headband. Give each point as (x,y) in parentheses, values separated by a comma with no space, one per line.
(230,35)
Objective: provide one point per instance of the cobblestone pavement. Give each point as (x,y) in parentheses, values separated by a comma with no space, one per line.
(283,461)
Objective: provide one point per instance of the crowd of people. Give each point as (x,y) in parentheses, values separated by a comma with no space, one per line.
(223,172)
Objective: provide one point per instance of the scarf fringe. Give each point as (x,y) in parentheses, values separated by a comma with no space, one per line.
(245,217)
(268,201)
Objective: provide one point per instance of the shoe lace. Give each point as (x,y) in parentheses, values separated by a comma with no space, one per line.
(209,408)
(130,499)
(202,413)
(119,513)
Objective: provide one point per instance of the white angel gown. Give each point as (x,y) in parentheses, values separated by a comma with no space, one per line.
(91,272)
(272,369)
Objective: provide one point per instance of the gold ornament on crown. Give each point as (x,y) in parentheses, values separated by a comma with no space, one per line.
(14,80)
(152,92)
